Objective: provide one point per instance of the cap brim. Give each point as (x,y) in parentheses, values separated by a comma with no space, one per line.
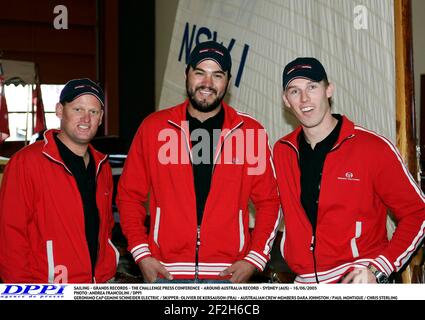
(212,59)
(304,74)
(73,97)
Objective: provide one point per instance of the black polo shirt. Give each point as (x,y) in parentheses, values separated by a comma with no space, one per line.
(86,182)
(203,164)
(311,166)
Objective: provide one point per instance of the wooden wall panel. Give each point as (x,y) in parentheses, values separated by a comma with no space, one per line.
(405,110)
(27,33)
(80,12)
(109,72)
(422,129)
(41,38)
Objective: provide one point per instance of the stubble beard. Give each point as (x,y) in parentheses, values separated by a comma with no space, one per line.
(203,105)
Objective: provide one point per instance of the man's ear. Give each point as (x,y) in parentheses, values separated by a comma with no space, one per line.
(101,117)
(229,80)
(285,101)
(186,72)
(330,90)
(59,110)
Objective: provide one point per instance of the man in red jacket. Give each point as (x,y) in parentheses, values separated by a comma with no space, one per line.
(336,182)
(56,200)
(200,163)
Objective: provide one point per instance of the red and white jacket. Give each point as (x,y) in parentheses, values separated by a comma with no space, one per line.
(363,175)
(42,233)
(224,236)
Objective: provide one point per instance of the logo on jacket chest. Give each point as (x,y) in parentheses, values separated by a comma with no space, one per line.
(349,176)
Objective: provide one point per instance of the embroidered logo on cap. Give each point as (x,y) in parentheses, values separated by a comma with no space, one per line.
(300,66)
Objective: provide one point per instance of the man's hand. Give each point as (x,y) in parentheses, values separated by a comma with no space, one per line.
(151,267)
(363,275)
(241,271)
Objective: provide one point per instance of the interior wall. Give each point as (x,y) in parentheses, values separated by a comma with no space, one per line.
(165,14)
(418,26)
(87,48)
(27,33)
(137,70)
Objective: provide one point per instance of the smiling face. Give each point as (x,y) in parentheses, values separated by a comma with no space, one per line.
(79,120)
(206,86)
(309,102)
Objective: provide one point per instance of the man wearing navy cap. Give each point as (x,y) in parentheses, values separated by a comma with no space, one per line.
(191,160)
(336,182)
(56,200)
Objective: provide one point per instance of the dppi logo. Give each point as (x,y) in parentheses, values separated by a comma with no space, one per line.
(188,43)
(16,290)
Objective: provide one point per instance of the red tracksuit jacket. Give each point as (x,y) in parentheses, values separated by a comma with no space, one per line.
(363,175)
(42,235)
(224,235)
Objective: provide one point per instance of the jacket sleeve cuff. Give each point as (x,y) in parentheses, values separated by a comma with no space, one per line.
(382,263)
(256,259)
(141,251)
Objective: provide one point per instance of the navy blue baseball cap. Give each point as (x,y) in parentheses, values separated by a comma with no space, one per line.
(306,67)
(210,50)
(77,87)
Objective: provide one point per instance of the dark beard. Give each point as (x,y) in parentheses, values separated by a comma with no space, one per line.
(203,106)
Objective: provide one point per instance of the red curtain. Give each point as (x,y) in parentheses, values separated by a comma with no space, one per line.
(38,109)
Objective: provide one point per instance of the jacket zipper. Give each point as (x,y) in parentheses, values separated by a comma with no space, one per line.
(313,238)
(92,270)
(97,260)
(98,236)
(198,229)
(313,252)
(96,174)
(198,243)
(198,234)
